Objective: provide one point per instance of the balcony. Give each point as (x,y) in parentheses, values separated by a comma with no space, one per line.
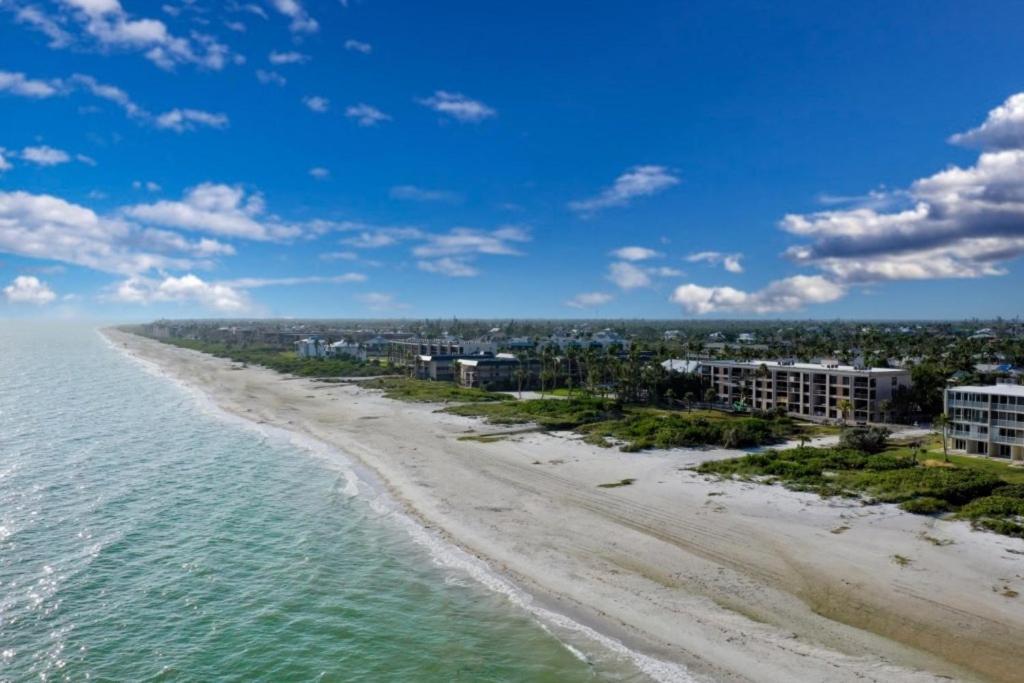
(968,404)
(1008,440)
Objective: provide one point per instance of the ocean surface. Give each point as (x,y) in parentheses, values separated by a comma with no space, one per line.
(144,536)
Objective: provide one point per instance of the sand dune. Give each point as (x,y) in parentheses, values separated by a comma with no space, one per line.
(737,582)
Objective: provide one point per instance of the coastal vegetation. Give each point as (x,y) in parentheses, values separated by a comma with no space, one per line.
(425,391)
(606,423)
(284,361)
(988,494)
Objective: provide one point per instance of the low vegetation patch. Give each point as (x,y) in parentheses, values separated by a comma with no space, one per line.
(970,489)
(283,361)
(602,423)
(616,484)
(425,391)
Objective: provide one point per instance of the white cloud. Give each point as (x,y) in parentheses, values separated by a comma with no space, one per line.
(279,58)
(45,156)
(366,115)
(358,46)
(270,77)
(111,93)
(50,228)
(43,23)
(382,237)
(4,164)
(301,21)
(180,120)
(458,106)
(1003,129)
(460,241)
(450,266)
(217,209)
(87,160)
(111,26)
(731,262)
(16,83)
(639,181)
(419,194)
(320,173)
(317,103)
(781,295)
(589,300)
(635,253)
(628,276)
(185,289)
(28,289)
(148,185)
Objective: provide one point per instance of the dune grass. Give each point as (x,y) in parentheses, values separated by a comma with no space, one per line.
(425,391)
(989,496)
(283,361)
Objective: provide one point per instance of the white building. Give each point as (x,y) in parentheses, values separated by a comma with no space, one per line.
(343,348)
(813,390)
(987,420)
(311,347)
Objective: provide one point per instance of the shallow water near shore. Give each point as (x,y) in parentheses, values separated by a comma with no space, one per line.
(145,538)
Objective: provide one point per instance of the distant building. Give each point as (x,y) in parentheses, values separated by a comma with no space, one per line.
(680,365)
(806,389)
(746,338)
(343,348)
(987,420)
(311,347)
(489,373)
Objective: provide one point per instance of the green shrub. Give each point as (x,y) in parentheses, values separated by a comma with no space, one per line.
(865,439)
(925,505)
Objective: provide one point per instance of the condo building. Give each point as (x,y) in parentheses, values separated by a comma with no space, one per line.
(987,420)
(812,390)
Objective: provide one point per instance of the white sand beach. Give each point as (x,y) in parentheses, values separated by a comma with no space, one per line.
(735,581)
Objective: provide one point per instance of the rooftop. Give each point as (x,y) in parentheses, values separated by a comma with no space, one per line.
(832,367)
(993,389)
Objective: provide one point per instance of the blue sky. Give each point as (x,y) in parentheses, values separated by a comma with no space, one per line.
(536,159)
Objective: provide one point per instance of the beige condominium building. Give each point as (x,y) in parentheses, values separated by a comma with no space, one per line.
(812,390)
(987,420)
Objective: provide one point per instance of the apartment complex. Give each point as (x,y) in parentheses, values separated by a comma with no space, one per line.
(987,420)
(811,390)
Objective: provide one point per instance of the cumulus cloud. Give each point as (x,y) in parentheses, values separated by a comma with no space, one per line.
(181,120)
(628,276)
(320,173)
(17,83)
(279,58)
(635,253)
(461,241)
(107,22)
(28,289)
(366,115)
(639,181)
(589,300)
(317,103)
(270,77)
(1002,129)
(188,288)
(216,209)
(458,106)
(419,194)
(46,227)
(382,237)
(43,23)
(781,295)
(731,262)
(4,164)
(450,266)
(358,46)
(301,22)
(45,156)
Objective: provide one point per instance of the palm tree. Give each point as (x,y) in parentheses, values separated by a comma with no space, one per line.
(886,407)
(710,396)
(844,407)
(689,397)
(941,421)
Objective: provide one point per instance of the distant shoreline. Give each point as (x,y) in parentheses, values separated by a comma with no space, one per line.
(732,586)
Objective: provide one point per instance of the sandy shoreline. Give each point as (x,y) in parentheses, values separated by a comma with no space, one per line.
(736,582)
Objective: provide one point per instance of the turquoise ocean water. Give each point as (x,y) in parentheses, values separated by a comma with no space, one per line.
(145,537)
